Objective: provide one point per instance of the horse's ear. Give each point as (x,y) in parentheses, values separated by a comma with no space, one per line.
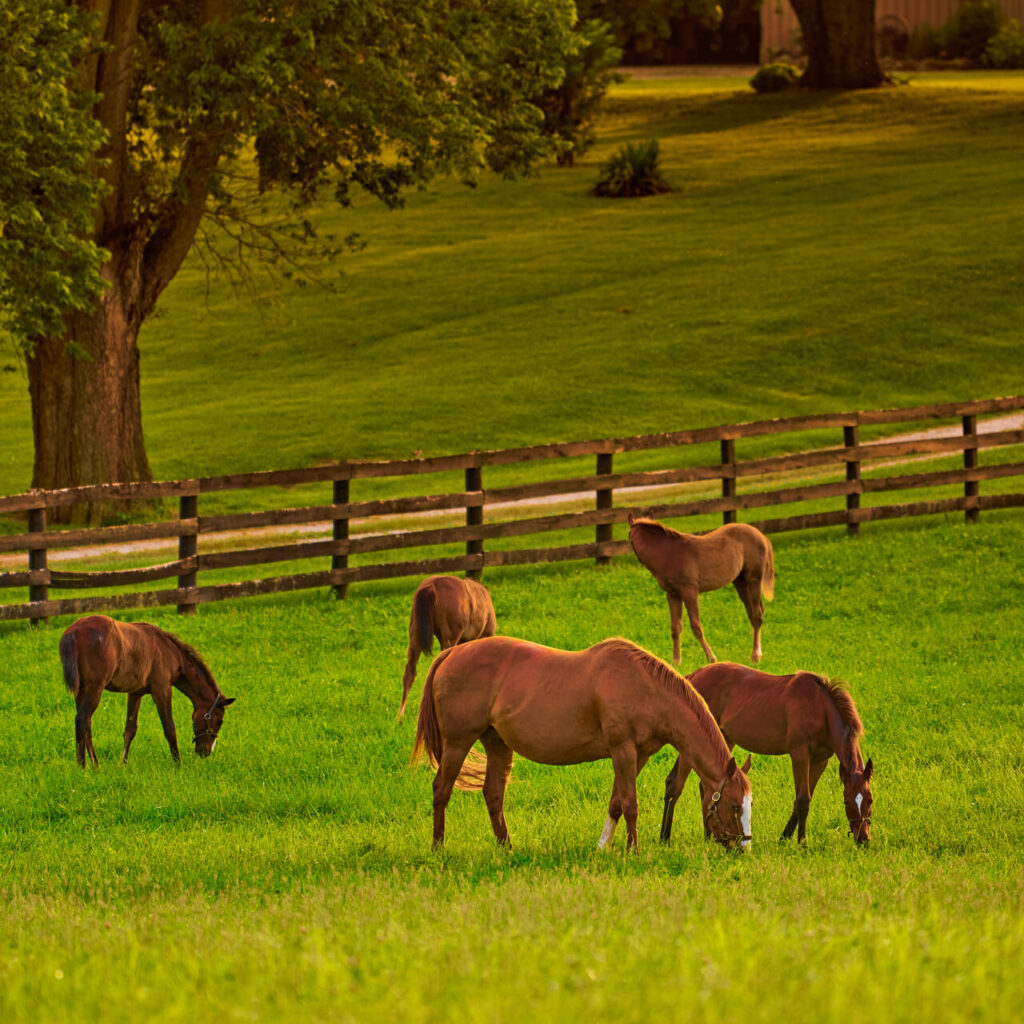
(842,772)
(868,769)
(730,768)
(630,518)
(746,765)
(225,701)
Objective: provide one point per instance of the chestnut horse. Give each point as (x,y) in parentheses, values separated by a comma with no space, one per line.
(100,654)
(688,564)
(803,715)
(561,707)
(452,609)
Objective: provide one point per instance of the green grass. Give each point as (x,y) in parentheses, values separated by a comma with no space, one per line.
(290,876)
(819,252)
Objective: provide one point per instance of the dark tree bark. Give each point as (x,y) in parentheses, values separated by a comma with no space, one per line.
(839,38)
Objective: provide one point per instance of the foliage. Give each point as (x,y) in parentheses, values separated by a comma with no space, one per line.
(968,31)
(48,185)
(631,172)
(775,77)
(571,108)
(646,24)
(1005,49)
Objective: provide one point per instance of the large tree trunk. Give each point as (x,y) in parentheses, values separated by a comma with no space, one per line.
(86,407)
(839,38)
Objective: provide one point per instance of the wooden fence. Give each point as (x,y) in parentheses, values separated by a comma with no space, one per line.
(521,501)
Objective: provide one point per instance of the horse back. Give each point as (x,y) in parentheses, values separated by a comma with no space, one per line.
(764,713)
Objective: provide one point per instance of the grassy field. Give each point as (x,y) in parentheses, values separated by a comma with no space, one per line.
(819,253)
(290,876)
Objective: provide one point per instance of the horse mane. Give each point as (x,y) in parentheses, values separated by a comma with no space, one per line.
(652,524)
(191,655)
(839,696)
(671,680)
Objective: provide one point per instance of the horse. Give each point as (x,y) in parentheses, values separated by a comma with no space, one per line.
(614,700)
(452,609)
(687,564)
(803,715)
(98,653)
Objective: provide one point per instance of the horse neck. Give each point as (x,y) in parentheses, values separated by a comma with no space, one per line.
(192,680)
(844,742)
(695,734)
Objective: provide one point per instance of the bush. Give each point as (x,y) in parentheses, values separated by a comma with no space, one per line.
(969,31)
(632,171)
(1006,48)
(774,77)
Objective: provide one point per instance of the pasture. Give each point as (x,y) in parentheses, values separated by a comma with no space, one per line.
(819,253)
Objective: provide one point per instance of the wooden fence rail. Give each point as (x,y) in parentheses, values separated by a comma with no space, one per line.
(518,506)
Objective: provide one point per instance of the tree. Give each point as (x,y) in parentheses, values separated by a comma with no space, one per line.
(380,95)
(839,38)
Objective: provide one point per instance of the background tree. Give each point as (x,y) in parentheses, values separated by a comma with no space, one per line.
(380,95)
(839,39)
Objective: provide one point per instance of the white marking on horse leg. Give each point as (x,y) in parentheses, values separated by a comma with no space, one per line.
(745,821)
(606,835)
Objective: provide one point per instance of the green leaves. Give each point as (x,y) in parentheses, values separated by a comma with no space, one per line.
(48,184)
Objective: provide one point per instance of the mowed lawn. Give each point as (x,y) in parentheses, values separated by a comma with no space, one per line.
(290,876)
(819,253)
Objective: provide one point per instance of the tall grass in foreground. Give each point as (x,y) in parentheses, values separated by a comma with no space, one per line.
(290,876)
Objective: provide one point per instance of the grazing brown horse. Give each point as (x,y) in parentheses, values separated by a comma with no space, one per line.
(100,654)
(452,609)
(803,715)
(687,564)
(560,707)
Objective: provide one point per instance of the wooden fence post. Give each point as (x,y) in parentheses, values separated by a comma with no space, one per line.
(37,560)
(729,482)
(188,508)
(850,440)
(340,532)
(971,462)
(474,517)
(604,501)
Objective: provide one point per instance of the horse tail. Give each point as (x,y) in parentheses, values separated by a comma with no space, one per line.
(423,618)
(428,734)
(768,571)
(69,659)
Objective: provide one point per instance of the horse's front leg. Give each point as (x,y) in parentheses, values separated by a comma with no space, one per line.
(802,803)
(674,782)
(615,810)
(162,699)
(131,724)
(690,600)
(623,802)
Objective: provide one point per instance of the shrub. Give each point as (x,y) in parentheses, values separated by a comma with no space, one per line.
(926,41)
(632,171)
(774,77)
(969,30)
(1006,48)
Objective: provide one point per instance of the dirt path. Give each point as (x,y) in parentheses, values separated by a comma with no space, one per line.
(1013,421)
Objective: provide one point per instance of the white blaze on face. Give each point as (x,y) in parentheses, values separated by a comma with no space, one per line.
(859,799)
(745,820)
(606,835)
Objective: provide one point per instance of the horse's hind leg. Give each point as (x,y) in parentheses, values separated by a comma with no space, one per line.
(499,765)
(85,706)
(689,596)
(131,723)
(410,674)
(452,758)
(750,594)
